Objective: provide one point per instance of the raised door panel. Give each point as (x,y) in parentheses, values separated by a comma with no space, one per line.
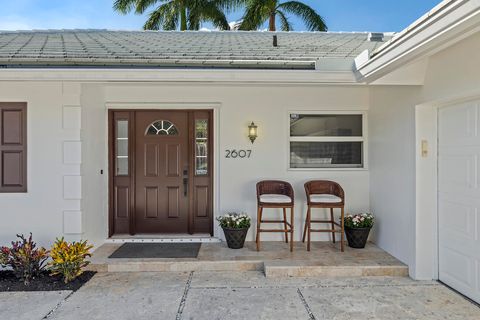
(122,203)
(173,202)
(151,160)
(201,201)
(151,202)
(459,124)
(172,160)
(12,168)
(12,127)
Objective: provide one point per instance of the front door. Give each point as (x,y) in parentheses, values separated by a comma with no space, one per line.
(161,161)
(161,172)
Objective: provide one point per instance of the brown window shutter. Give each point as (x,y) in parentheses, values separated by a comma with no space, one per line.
(13,147)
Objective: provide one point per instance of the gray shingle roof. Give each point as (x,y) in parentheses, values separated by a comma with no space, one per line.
(99,48)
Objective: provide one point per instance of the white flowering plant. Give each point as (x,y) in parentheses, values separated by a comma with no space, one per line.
(234,221)
(361,220)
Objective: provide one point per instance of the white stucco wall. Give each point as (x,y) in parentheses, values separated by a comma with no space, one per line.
(67,149)
(392,168)
(236,106)
(402,229)
(51,207)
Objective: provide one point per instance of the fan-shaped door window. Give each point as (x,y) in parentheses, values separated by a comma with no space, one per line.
(162,128)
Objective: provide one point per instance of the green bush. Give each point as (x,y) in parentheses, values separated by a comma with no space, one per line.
(68,259)
(25,259)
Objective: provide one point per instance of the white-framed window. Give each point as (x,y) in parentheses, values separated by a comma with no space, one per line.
(327,140)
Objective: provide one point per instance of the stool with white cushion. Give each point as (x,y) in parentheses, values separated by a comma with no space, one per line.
(329,195)
(275,194)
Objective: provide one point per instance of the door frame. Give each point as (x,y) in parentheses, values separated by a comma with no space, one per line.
(425,264)
(127,108)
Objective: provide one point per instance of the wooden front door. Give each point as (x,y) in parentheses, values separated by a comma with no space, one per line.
(161,182)
(161,176)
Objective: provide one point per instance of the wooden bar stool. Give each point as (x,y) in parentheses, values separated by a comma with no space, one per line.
(329,195)
(275,194)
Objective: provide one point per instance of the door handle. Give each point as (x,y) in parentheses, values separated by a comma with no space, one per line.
(185,182)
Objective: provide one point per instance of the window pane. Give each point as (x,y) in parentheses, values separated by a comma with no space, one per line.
(326,154)
(162,128)
(121,148)
(201,147)
(331,125)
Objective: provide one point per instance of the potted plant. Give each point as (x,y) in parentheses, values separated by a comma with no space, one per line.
(235,227)
(357,228)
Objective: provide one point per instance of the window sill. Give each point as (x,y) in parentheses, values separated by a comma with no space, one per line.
(327,169)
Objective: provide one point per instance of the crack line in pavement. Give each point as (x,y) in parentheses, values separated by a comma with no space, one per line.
(315,286)
(184,297)
(57,306)
(311,316)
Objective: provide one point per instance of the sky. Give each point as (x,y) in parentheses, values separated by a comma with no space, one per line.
(340,15)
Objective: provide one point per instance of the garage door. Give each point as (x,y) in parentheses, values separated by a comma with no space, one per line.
(459,197)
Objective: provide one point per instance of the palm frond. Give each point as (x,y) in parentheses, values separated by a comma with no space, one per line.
(313,21)
(231,5)
(207,10)
(256,13)
(124,6)
(164,17)
(285,25)
(142,5)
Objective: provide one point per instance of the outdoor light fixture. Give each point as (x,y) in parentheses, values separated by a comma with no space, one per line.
(252,132)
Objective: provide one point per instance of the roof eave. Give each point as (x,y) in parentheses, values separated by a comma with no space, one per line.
(178,75)
(445,25)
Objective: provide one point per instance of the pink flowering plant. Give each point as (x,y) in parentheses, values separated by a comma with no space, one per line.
(361,220)
(234,221)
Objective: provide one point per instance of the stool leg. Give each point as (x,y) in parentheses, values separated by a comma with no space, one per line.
(333,225)
(309,228)
(259,219)
(342,241)
(285,223)
(291,229)
(305,228)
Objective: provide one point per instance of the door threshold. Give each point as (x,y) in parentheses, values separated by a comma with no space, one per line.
(162,238)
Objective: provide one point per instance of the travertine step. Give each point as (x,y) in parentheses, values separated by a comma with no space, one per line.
(275,269)
(275,260)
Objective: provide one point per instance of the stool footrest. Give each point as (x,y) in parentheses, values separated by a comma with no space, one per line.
(326,221)
(326,230)
(275,230)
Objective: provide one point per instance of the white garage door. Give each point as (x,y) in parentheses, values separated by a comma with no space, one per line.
(459,197)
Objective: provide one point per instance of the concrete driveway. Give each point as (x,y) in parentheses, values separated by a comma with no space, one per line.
(240,295)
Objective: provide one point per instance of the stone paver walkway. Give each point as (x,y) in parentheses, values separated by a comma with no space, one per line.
(240,295)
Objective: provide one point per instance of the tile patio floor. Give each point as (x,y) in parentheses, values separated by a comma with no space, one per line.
(274,259)
(210,295)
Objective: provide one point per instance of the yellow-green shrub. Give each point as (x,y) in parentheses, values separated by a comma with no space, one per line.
(68,259)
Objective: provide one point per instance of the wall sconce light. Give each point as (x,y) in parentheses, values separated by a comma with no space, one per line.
(252,132)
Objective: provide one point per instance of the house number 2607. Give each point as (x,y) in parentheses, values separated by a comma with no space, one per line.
(232,153)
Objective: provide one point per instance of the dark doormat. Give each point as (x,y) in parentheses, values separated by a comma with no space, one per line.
(157,250)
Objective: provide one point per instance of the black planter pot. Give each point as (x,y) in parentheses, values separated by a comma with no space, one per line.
(235,237)
(357,237)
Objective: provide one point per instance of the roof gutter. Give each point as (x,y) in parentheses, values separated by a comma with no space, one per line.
(446,24)
(157,63)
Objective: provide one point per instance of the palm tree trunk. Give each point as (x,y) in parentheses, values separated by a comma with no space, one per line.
(183,18)
(271,23)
